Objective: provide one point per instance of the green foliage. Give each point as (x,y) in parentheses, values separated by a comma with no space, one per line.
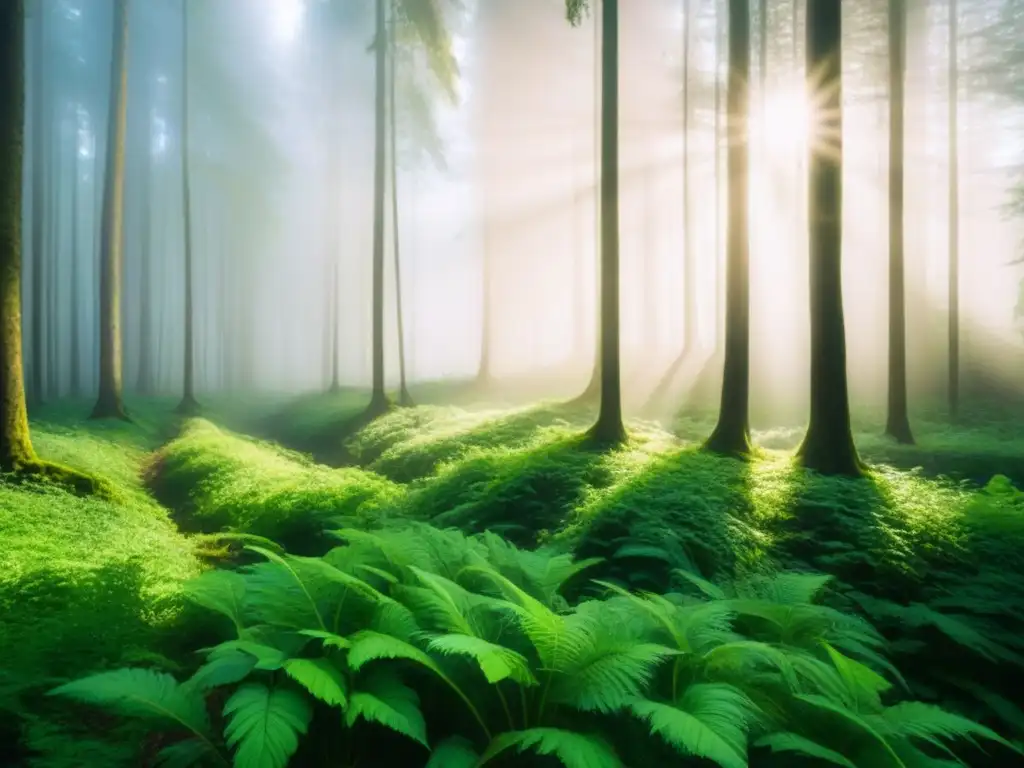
(220,481)
(393,616)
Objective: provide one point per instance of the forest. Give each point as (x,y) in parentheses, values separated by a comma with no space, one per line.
(511,383)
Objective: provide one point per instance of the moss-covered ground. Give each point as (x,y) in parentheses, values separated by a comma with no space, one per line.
(89,583)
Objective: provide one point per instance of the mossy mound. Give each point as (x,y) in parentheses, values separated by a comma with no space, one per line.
(216,481)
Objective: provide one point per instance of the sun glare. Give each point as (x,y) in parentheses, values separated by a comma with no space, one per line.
(286,18)
(786,125)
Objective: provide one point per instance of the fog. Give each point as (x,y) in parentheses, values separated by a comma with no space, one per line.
(496,197)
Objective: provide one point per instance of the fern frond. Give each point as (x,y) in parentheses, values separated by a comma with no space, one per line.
(784,588)
(573,750)
(783,741)
(146,694)
(321,678)
(495,661)
(877,752)
(267,657)
(264,725)
(221,591)
(184,754)
(223,669)
(709,589)
(863,684)
(329,639)
(932,724)
(610,677)
(382,698)
(710,720)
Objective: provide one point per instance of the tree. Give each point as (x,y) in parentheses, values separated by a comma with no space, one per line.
(145,383)
(39,94)
(609,428)
(110,403)
(898,420)
(75,367)
(828,445)
(953,216)
(404,398)
(689,249)
(731,435)
(188,405)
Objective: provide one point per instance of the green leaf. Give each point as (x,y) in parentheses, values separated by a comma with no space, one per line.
(321,678)
(927,722)
(223,669)
(329,639)
(863,683)
(267,657)
(710,721)
(573,750)
(184,754)
(368,646)
(264,725)
(611,677)
(453,752)
(794,742)
(381,697)
(142,693)
(495,661)
(221,591)
(881,753)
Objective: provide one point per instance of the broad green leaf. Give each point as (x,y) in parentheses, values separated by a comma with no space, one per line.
(185,754)
(381,697)
(267,657)
(495,661)
(264,725)
(223,669)
(221,591)
(453,752)
(329,639)
(573,750)
(794,742)
(370,646)
(321,678)
(690,734)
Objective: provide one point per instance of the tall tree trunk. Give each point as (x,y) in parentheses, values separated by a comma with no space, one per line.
(953,215)
(593,388)
(145,380)
(717,130)
(75,367)
(379,399)
(188,405)
(731,436)
(15,443)
(36,340)
(54,135)
(689,251)
(109,403)
(898,420)
(404,398)
(828,445)
(609,428)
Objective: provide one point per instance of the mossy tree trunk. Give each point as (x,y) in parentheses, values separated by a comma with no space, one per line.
(109,403)
(828,445)
(379,399)
(188,405)
(898,419)
(15,444)
(404,398)
(731,435)
(953,215)
(609,428)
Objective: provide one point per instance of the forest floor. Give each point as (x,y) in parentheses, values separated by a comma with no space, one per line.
(86,584)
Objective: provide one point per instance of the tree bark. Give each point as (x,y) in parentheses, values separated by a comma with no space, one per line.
(828,445)
(609,428)
(145,380)
(731,435)
(953,215)
(15,443)
(110,403)
(188,405)
(378,398)
(36,339)
(898,419)
(75,367)
(404,398)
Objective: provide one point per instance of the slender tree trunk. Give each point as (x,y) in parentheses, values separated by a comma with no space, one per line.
(75,367)
(898,420)
(689,251)
(15,443)
(828,445)
(54,134)
(719,261)
(109,403)
(188,405)
(609,428)
(580,318)
(953,215)
(145,380)
(379,399)
(593,388)
(404,398)
(731,436)
(36,367)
